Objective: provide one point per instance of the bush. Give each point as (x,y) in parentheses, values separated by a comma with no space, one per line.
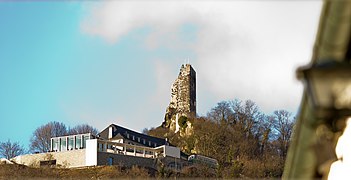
(137,172)
(198,171)
(182,121)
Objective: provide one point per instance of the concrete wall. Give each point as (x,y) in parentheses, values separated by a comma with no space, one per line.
(75,158)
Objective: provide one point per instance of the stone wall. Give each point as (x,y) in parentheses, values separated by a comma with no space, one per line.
(129,161)
(183,99)
(124,160)
(74,158)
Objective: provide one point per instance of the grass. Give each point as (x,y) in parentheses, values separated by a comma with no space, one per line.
(15,171)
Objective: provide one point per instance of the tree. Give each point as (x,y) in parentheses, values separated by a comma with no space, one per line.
(237,109)
(145,131)
(222,113)
(40,141)
(83,128)
(264,130)
(10,150)
(251,114)
(283,125)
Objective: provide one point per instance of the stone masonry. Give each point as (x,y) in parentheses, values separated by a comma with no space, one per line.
(183,100)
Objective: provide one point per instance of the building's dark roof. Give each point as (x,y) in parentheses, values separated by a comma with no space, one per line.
(128,134)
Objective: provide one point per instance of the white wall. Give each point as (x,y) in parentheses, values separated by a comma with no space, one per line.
(172,151)
(91,152)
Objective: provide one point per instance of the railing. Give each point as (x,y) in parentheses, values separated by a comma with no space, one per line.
(130,149)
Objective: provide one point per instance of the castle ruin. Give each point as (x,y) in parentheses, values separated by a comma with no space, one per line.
(183,101)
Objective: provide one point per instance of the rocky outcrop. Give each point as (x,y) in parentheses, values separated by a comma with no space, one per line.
(183,102)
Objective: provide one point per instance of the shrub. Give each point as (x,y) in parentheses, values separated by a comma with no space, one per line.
(182,121)
(137,172)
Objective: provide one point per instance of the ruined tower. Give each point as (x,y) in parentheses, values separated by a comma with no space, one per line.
(183,100)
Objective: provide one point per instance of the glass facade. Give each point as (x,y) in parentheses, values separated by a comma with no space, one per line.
(85,138)
(78,142)
(69,142)
(63,143)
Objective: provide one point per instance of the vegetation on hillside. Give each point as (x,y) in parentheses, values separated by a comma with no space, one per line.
(95,172)
(16,171)
(245,141)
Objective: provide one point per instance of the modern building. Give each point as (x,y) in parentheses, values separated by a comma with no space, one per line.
(115,145)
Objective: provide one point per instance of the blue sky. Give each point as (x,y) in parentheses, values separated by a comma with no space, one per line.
(114,61)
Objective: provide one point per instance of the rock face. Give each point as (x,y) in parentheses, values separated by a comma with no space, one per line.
(183,101)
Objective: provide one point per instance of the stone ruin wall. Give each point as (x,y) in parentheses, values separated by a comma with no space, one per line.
(183,100)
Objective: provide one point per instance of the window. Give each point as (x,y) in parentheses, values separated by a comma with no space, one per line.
(148,152)
(49,163)
(70,143)
(133,138)
(149,143)
(63,144)
(128,136)
(140,151)
(55,145)
(138,139)
(78,141)
(85,138)
(110,161)
(155,144)
(144,141)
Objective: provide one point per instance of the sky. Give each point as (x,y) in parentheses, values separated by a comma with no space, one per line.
(114,61)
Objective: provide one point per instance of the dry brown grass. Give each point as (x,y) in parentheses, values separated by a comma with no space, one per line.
(14,171)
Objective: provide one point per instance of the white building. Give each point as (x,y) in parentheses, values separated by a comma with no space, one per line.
(115,145)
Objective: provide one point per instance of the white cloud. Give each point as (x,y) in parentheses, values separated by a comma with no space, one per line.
(246,50)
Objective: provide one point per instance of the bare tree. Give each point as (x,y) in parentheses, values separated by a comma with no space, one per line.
(10,150)
(222,113)
(237,108)
(283,125)
(245,115)
(264,130)
(83,128)
(40,141)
